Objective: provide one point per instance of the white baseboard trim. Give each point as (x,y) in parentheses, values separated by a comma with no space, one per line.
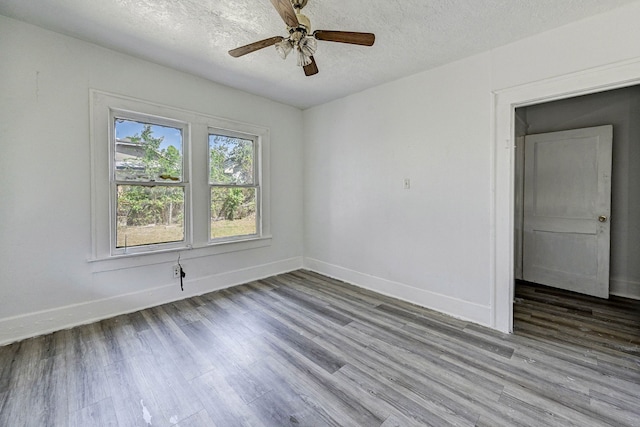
(43,322)
(624,288)
(455,307)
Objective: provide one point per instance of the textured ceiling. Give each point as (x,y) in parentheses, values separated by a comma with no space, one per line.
(195,35)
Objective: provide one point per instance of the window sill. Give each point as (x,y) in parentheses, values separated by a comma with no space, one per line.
(119,262)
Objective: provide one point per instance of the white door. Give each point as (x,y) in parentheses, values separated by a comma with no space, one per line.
(567,204)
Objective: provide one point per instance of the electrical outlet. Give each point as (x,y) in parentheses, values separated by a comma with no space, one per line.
(176,271)
(407,183)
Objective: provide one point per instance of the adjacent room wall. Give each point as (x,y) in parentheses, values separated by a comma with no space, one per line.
(434,244)
(47,282)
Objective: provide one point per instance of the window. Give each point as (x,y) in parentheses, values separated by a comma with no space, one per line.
(166,179)
(148,182)
(234,188)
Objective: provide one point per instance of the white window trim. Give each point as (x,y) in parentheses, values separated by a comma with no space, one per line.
(197,232)
(257,178)
(185,183)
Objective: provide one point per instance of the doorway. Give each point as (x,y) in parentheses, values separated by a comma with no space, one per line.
(538,310)
(597,80)
(621,108)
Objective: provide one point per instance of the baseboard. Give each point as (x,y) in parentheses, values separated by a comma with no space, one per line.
(39,323)
(624,288)
(455,307)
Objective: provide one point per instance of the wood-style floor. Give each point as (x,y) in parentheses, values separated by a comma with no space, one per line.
(301,349)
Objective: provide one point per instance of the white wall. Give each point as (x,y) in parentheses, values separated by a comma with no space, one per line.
(360,221)
(45,234)
(435,244)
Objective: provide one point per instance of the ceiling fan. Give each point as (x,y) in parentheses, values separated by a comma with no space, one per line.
(301,38)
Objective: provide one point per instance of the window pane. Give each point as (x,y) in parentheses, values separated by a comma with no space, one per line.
(233,212)
(149,215)
(147,152)
(230,160)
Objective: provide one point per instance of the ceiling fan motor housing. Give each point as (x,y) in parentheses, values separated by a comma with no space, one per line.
(304,22)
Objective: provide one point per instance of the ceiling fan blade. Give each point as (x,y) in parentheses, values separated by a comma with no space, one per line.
(285,9)
(363,39)
(252,47)
(311,69)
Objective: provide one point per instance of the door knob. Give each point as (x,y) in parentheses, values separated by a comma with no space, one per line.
(602,218)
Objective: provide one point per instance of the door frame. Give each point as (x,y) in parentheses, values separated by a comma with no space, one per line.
(600,79)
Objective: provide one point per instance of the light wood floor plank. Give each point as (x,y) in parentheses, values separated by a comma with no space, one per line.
(201,419)
(223,405)
(281,405)
(355,404)
(99,414)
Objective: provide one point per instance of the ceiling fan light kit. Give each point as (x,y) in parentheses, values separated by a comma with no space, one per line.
(300,37)
(284,48)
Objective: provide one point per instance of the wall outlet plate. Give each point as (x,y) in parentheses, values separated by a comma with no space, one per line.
(176,271)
